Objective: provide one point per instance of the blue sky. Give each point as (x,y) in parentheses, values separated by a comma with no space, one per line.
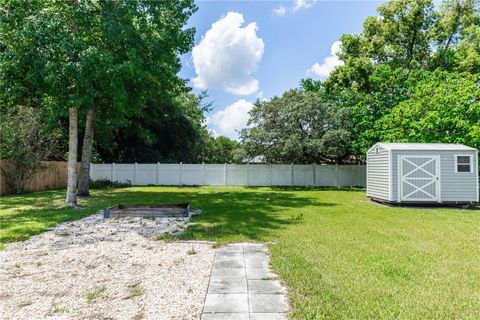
(262,48)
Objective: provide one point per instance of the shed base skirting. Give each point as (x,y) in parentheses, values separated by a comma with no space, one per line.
(425,203)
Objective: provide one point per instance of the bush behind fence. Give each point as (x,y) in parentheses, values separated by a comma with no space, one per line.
(231,174)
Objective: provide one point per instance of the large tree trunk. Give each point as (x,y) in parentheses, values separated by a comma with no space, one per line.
(71,198)
(84,179)
(72,158)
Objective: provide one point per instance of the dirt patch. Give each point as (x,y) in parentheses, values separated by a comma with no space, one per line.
(105,269)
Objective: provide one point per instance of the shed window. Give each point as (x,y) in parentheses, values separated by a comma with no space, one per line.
(463,163)
(377,150)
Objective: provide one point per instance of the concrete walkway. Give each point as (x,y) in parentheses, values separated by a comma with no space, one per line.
(242,287)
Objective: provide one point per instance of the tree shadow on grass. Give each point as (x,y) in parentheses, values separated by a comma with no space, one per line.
(238,215)
(307,189)
(227,215)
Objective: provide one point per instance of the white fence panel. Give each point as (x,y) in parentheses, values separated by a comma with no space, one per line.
(124,173)
(326,175)
(145,174)
(282,175)
(346,176)
(237,175)
(192,175)
(303,175)
(259,175)
(169,174)
(101,171)
(360,175)
(215,174)
(231,174)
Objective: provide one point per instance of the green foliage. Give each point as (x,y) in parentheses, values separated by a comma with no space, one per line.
(388,79)
(293,128)
(107,184)
(310,85)
(58,309)
(388,87)
(336,144)
(443,107)
(90,297)
(134,290)
(121,57)
(411,76)
(24,142)
(221,150)
(411,34)
(457,36)
(169,130)
(416,106)
(167,237)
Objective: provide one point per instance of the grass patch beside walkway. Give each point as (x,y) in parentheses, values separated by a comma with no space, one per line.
(341,256)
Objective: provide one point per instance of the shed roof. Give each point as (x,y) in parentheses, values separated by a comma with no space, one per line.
(425,146)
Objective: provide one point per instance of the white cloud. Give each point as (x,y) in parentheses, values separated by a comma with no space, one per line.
(232,119)
(227,56)
(329,63)
(208,123)
(303,4)
(280,11)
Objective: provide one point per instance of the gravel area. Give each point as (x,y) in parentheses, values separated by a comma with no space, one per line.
(97,268)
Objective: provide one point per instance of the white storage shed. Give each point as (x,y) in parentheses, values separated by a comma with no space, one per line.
(422,173)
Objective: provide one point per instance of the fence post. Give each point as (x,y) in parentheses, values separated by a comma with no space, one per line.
(203,167)
(158,173)
(271,175)
(112,175)
(180,174)
(248,175)
(90,173)
(336,175)
(224,174)
(291,174)
(135,173)
(314,174)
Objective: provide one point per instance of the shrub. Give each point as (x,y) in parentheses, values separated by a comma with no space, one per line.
(107,184)
(25,142)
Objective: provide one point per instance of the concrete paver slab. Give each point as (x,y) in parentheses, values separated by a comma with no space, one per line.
(256,255)
(242,286)
(225,255)
(225,316)
(256,263)
(228,272)
(227,285)
(267,303)
(231,247)
(260,274)
(265,286)
(268,316)
(257,247)
(229,263)
(230,303)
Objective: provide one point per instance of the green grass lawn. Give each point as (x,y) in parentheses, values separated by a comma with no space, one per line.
(342,256)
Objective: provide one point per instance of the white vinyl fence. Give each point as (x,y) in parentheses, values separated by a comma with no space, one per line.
(231,174)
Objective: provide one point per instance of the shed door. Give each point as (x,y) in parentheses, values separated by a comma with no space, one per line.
(419,178)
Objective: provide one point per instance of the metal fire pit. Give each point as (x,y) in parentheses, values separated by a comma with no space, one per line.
(166,210)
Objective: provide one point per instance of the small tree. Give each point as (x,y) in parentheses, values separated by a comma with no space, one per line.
(24,143)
